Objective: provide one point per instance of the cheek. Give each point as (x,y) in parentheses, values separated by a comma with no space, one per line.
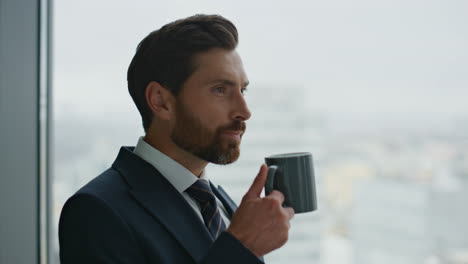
(210,121)
(211,116)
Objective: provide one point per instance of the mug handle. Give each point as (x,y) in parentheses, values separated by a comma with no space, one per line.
(270,179)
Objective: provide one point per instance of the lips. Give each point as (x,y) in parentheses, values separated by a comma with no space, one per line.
(234,132)
(238,126)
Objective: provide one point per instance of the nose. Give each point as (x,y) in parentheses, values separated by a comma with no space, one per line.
(241,112)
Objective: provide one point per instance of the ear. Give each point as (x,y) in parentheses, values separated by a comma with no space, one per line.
(160,100)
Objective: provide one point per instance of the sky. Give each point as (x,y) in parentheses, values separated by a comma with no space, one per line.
(363,57)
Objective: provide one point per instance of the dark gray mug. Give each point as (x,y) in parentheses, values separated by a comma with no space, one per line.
(293,175)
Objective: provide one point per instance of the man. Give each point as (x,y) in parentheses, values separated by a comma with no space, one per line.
(155,204)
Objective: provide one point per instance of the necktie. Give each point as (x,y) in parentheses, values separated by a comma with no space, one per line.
(201,192)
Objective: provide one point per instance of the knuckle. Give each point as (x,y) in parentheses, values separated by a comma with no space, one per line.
(292,211)
(276,203)
(246,197)
(272,201)
(243,200)
(274,192)
(284,238)
(291,214)
(278,194)
(285,217)
(284,222)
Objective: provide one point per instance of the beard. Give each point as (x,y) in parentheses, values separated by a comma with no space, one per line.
(192,136)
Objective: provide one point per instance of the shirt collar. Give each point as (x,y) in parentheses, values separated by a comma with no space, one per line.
(179,176)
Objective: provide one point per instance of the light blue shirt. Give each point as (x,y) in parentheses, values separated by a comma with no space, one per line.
(179,176)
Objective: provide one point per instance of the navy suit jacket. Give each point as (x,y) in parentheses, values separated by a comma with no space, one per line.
(132,214)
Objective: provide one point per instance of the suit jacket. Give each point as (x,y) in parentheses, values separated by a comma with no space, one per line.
(132,214)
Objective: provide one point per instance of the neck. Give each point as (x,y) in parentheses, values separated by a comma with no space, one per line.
(164,144)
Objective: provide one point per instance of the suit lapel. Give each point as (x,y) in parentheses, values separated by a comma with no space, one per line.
(164,203)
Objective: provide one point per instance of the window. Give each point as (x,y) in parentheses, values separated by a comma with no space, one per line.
(375,90)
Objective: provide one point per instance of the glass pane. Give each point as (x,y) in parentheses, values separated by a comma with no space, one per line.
(375,90)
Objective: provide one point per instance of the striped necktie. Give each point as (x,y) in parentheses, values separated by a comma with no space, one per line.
(201,192)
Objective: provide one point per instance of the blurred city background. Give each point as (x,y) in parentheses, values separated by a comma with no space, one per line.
(376,90)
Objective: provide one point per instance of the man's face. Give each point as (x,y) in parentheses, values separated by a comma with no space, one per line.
(211,110)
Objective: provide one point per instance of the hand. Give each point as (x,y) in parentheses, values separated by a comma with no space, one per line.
(261,224)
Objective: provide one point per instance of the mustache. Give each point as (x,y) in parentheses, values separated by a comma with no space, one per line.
(235,126)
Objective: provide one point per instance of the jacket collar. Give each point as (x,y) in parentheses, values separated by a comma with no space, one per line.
(153,191)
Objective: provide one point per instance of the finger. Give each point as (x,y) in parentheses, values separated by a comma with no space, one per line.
(277,195)
(257,186)
(290,212)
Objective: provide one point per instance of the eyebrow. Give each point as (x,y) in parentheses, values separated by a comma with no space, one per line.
(228,82)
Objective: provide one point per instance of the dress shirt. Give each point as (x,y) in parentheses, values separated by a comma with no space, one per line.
(179,176)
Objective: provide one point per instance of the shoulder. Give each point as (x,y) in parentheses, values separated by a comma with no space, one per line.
(107,187)
(98,194)
(92,227)
(97,205)
(102,195)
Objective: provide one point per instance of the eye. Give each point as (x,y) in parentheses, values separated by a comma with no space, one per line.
(244,90)
(220,90)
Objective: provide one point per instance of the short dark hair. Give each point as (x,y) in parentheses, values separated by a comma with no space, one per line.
(166,55)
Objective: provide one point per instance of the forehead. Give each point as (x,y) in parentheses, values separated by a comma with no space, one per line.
(218,64)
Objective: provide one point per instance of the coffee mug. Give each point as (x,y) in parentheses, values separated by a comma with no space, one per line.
(293,175)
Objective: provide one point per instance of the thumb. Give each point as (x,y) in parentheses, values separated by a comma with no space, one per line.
(257,186)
